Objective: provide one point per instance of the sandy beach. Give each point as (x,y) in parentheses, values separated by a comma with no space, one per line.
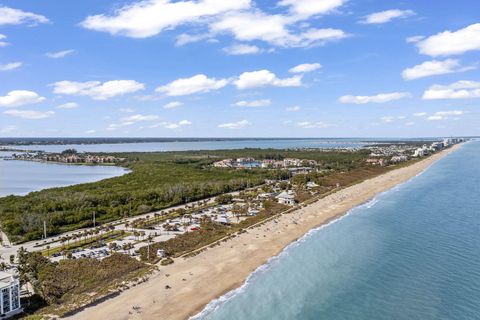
(197,280)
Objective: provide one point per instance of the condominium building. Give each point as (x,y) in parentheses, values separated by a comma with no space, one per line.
(9,295)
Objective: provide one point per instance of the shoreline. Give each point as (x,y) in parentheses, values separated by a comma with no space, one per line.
(198,281)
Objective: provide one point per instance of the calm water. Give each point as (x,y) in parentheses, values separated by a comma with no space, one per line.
(412,253)
(202,145)
(22,177)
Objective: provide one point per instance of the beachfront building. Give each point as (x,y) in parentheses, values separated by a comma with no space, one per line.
(286,198)
(9,295)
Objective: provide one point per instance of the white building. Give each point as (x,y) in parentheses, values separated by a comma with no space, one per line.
(286,198)
(9,295)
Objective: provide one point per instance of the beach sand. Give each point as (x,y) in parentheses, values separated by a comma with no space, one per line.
(198,280)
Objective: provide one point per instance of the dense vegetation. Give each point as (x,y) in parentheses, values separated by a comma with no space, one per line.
(73,282)
(157,181)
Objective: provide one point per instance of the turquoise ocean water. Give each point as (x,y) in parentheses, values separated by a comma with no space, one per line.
(411,253)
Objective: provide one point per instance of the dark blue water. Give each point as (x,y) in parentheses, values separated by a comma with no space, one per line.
(411,253)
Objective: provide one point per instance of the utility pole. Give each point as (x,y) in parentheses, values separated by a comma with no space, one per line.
(44,229)
(94,219)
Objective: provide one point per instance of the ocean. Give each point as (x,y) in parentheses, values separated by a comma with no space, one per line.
(413,252)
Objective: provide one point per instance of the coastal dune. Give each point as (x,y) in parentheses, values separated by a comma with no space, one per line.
(196,281)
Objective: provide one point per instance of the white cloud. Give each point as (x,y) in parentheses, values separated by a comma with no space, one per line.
(411,123)
(173,105)
(242,49)
(235,125)
(431,68)
(3,43)
(313,125)
(15,16)
(450,113)
(59,54)
(306,67)
(420,114)
(10,66)
(8,129)
(68,105)
(90,131)
(379,98)
(18,98)
(273,29)
(196,84)
(387,119)
(139,117)
(264,78)
(386,16)
(97,90)
(254,103)
(459,90)
(435,118)
(172,125)
(414,39)
(307,8)
(184,38)
(240,18)
(451,42)
(29,114)
(444,115)
(148,18)
(130,120)
(293,109)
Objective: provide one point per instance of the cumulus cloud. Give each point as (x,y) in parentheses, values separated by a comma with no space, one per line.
(273,29)
(254,103)
(235,125)
(420,114)
(10,66)
(307,8)
(459,90)
(379,98)
(10,16)
(172,125)
(432,68)
(173,105)
(18,98)
(130,120)
(387,119)
(313,125)
(97,90)
(293,109)
(444,115)
(68,105)
(150,17)
(196,84)
(451,42)
(262,78)
(386,16)
(3,43)
(240,18)
(242,49)
(29,114)
(59,54)
(305,68)
(90,131)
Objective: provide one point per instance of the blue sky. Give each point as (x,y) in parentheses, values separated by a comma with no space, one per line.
(243,68)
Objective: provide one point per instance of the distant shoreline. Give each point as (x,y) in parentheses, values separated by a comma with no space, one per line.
(215,272)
